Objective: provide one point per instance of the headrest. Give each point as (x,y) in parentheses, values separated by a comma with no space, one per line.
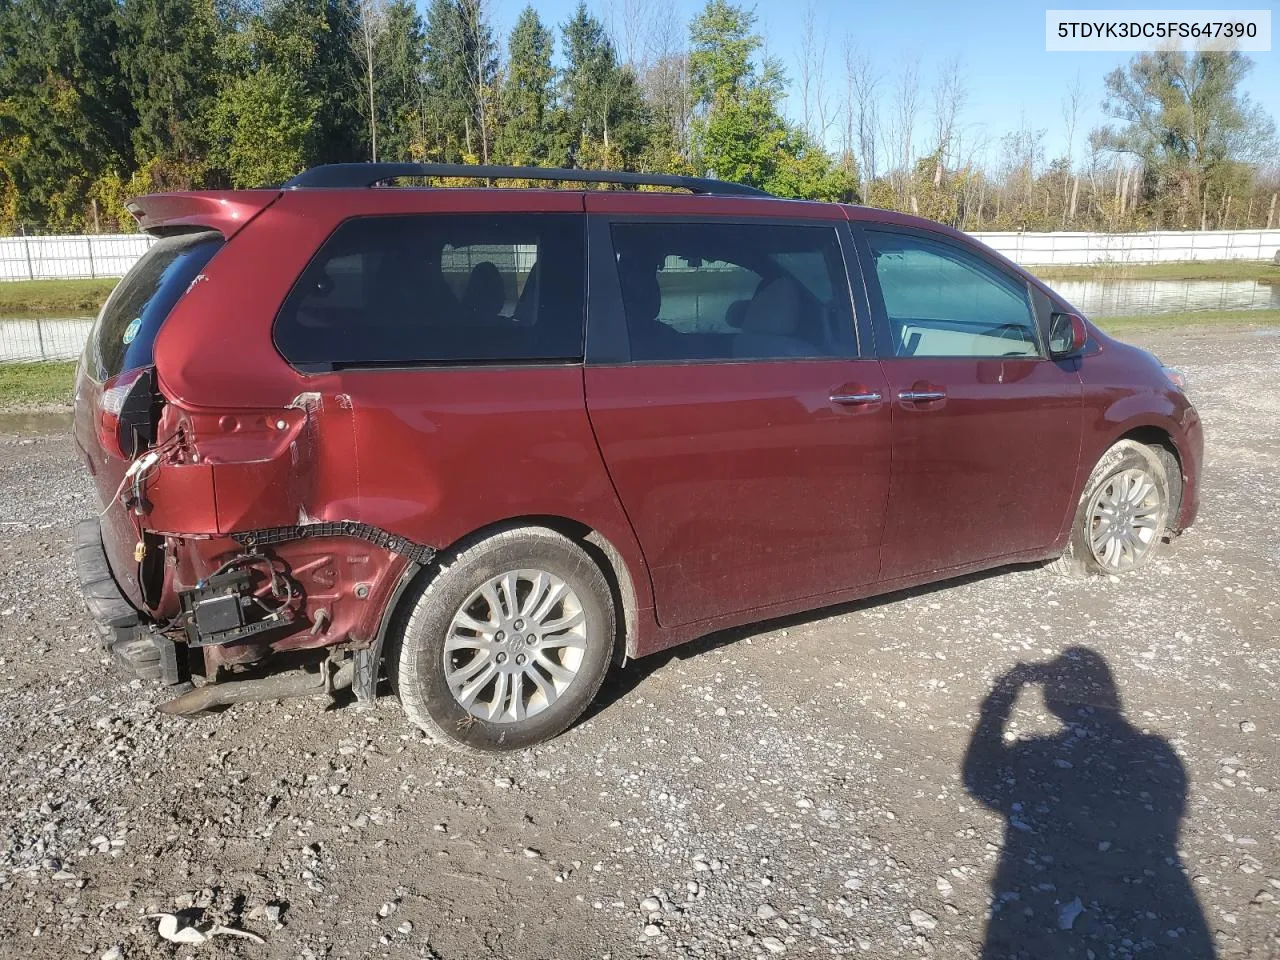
(484,294)
(774,310)
(736,313)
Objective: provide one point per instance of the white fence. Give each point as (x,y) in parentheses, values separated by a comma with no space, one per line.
(36,258)
(43,258)
(1165,246)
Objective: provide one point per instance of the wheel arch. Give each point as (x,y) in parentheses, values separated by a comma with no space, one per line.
(1150,430)
(601,549)
(611,563)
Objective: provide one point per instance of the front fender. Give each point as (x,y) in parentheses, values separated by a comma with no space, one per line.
(1163,411)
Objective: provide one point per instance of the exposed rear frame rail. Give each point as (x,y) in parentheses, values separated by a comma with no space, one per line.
(340,175)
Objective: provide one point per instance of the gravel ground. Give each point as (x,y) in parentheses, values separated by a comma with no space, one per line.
(867,781)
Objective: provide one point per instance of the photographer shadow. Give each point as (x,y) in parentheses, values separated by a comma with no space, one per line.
(1090,865)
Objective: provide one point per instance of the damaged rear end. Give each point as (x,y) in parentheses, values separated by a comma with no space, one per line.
(219,553)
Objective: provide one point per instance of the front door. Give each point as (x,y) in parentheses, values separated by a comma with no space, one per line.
(747,439)
(986,429)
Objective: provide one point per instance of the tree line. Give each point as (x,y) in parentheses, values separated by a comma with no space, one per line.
(102,100)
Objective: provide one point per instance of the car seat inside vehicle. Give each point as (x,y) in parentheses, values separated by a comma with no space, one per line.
(484,297)
(771,323)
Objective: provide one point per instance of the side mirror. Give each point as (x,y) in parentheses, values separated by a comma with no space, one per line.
(1067,335)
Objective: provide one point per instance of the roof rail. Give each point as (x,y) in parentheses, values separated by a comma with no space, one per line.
(369,174)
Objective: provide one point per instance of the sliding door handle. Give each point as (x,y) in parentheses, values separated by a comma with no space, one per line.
(922,396)
(855,399)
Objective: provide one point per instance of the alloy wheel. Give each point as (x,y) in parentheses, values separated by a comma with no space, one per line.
(515,645)
(1126,515)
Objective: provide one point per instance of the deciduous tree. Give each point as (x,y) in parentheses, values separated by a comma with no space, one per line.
(1186,118)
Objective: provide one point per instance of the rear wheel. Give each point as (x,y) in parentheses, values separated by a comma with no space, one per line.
(1122,515)
(508,644)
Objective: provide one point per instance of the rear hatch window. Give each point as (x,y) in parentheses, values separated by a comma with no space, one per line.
(126,328)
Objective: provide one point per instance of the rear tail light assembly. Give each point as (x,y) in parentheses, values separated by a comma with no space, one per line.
(127,413)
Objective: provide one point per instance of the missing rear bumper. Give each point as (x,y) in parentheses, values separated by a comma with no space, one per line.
(105,601)
(136,649)
(225,608)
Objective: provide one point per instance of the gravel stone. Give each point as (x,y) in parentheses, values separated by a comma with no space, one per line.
(922,920)
(112,810)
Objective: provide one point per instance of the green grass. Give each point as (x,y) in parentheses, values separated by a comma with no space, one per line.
(1204,319)
(1192,270)
(36,384)
(48,297)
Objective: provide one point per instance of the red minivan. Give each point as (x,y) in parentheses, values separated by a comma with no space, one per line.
(497,440)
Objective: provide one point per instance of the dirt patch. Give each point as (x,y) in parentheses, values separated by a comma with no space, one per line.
(818,786)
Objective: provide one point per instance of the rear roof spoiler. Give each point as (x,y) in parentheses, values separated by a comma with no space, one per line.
(223,210)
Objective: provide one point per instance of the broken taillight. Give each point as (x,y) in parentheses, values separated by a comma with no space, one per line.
(126,413)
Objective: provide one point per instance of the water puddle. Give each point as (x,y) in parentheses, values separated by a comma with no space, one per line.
(28,423)
(26,339)
(1122,298)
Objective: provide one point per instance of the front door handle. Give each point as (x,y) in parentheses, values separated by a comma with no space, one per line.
(855,399)
(922,396)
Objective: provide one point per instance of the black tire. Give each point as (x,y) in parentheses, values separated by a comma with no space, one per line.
(1079,559)
(1173,475)
(417,665)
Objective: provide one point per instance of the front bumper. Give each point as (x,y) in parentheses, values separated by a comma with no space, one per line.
(1191,451)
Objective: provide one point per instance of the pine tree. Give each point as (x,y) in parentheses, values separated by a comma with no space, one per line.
(338,133)
(531,128)
(605,116)
(265,112)
(737,128)
(398,89)
(738,131)
(169,60)
(292,97)
(461,72)
(65,116)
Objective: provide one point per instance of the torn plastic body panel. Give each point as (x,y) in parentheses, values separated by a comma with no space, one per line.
(251,563)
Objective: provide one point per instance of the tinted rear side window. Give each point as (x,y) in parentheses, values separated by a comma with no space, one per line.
(474,288)
(125,332)
(733,291)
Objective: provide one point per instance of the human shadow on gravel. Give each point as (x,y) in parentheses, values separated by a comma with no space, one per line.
(1090,864)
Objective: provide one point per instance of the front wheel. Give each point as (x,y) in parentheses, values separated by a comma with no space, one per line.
(1122,515)
(508,643)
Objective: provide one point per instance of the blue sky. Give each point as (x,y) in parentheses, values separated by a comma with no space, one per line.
(1000,44)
